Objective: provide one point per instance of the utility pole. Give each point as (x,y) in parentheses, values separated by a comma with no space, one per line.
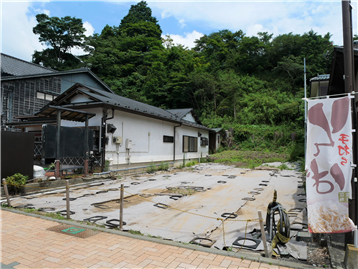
(348,88)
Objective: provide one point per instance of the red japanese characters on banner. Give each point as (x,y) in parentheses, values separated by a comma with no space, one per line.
(328,165)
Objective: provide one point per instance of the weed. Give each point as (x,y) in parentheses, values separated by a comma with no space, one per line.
(163,167)
(151,168)
(242,258)
(283,167)
(192,163)
(270,263)
(135,232)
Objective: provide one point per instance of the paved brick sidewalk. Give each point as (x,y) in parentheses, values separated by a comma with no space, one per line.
(26,243)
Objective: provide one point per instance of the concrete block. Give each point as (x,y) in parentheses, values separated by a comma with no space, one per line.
(351,257)
(304,236)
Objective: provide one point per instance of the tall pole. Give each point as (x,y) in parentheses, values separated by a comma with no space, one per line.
(305,89)
(348,88)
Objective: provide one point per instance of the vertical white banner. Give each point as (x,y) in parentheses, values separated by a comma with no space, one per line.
(328,165)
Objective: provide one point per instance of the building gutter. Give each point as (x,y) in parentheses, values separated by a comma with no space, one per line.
(174,142)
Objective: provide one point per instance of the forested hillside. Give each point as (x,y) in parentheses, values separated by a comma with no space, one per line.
(253,84)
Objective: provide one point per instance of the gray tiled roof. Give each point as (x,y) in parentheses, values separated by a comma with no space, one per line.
(125,104)
(16,67)
(321,77)
(180,112)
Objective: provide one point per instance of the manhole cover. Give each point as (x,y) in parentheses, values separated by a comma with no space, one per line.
(73,230)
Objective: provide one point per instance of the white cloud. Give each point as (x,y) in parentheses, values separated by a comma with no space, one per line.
(17,38)
(89,28)
(277,17)
(187,40)
(182,23)
(89,31)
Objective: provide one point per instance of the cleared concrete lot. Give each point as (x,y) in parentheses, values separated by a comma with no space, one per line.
(183,204)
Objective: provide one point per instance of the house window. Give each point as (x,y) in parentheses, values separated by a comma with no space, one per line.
(190,144)
(168,139)
(45,96)
(204,141)
(40,95)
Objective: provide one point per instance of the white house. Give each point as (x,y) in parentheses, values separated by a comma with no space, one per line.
(127,131)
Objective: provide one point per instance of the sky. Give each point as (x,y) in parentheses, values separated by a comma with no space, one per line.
(184,20)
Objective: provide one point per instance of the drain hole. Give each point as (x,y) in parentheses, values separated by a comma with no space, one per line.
(300,186)
(247,242)
(29,206)
(296,209)
(71,199)
(221,181)
(113,189)
(302,200)
(101,192)
(265,181)
(258,189)
(231,176)
(114,223)
(102,206)
(248,199)
(64,212)
(95,184)
(152,179)
(261,184)
(95,218)
(204,242)
(301,194)
(254,192)
(185,182)
(229,215)
(47,209)
(208,175)
(135,183)
(161,205)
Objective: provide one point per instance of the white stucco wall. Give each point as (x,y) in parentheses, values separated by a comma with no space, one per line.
(147,138)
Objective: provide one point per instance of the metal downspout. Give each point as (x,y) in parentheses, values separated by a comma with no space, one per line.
(174,143)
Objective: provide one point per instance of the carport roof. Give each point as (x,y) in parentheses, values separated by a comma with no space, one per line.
(66,113)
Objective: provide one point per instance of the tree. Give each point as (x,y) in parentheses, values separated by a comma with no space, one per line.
(60,35)
(140,13)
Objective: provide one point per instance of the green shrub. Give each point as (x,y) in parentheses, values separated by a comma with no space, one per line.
(16,183)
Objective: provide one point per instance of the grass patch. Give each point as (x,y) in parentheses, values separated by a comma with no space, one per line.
(247,159)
